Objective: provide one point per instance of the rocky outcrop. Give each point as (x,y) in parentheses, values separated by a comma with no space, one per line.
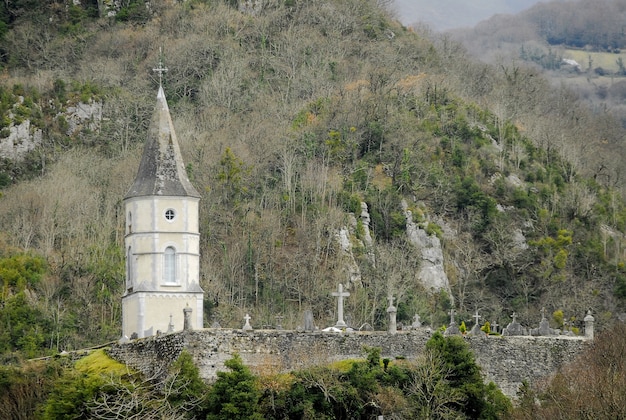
(347,237)
(431,272)
(23,138)
(83,116)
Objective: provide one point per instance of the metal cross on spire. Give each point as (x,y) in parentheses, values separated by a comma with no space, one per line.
(160,69)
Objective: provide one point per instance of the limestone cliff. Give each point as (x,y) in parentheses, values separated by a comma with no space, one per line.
(431,273)
(22,135)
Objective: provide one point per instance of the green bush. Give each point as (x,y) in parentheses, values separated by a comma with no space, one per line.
(235,394)
(479,400)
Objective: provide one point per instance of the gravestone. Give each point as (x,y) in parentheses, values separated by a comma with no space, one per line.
(494,326)
(514,327)
(340,294)
(476,331)
(247,326)
(452,329)
(309,325)
(187,320)
(589,325)
(392,311)
(170,326)
(544,326)
(416,322)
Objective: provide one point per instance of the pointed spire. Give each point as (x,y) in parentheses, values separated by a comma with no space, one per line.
(161,171)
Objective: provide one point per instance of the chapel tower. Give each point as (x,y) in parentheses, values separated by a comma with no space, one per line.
(162,241)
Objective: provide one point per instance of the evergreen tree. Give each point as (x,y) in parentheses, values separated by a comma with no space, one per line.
(235,394)
(480,401)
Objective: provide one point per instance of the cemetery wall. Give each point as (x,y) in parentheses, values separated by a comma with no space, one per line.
(507,361)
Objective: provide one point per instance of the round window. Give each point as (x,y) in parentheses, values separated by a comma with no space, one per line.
(170,214)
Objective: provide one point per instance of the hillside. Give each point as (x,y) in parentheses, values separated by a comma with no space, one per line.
(289,117)
(580,45)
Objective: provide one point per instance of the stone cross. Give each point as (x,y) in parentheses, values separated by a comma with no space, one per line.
(476,317)
(247,326)
(494,326)
(514,316)
(340,294)
(160,69)
(589,325)
(475,331)
(452,312)
(543,313)
(452,329)
(187,320)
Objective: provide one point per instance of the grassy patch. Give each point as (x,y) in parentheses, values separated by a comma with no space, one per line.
(607,61)
(98,362)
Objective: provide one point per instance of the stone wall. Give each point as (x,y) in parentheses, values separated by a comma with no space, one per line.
(504,360)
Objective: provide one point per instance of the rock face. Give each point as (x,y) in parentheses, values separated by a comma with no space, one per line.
(431,271)
(22,139)
(347,234)
(83,116)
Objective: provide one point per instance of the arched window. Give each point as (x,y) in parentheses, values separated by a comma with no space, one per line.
(169,272)
(129,269)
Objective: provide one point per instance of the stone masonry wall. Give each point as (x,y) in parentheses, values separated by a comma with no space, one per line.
(507,361)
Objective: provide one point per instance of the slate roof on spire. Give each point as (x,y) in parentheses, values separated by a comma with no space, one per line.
(161,171)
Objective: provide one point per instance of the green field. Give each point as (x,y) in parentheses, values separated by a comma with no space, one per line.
(607,61)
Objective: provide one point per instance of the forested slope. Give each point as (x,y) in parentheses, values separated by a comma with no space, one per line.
(289,116)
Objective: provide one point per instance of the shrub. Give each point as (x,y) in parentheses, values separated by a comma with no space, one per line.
(235,394)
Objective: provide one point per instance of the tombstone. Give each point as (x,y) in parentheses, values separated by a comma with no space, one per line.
(476,331)
(309,325)
(452,329)
(544,326)
(187,318)
(216,324)
(247,326)
(366,327)
(416,322)
(170,326)
(514,327)
(392,311)
(340,294)
(589,325)
(494,326)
